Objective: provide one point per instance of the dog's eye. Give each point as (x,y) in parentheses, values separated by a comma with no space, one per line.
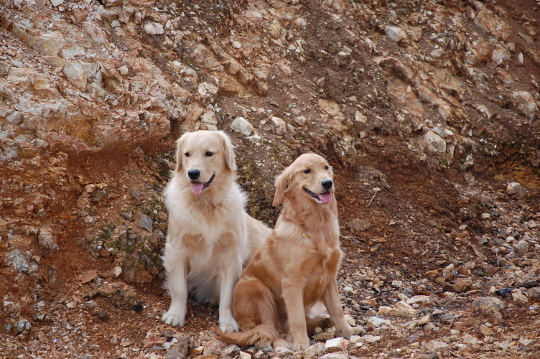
(326,167)
(186,154)
(209,154)
(307,171)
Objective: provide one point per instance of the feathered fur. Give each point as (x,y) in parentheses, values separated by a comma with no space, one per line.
(210,236)
(297,266)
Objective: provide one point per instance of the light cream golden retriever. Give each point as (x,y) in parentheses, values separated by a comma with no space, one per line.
(210,236)
(297,266)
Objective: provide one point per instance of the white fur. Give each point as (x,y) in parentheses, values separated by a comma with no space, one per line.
(210,236)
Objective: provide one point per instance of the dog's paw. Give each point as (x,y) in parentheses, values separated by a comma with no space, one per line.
(348,332)
(174,319)
(301,344)
(281,343)
(228,325)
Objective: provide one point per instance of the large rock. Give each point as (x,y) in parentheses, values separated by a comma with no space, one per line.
(337,344)
(489,306)
(514,188)
(525,103)
(242,125)
(400,309)
(435,144)
(395,33)
(493,24)
(335,116)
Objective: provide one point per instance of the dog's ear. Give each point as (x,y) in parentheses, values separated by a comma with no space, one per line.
(179,152)
(283,183)
(228,151)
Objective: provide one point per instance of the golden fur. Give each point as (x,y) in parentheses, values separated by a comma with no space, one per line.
(210,236)
(297,266)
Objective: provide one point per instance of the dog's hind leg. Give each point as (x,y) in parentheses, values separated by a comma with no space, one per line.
(255,310)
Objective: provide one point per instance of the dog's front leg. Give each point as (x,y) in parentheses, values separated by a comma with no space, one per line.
(176,266)
(229,275)
(331,301)
(293,296)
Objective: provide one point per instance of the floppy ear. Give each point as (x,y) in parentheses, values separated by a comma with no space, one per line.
(283,183)
(179,152)
(228,151)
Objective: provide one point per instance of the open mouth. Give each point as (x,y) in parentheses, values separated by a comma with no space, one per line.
(325,197)
(198,187)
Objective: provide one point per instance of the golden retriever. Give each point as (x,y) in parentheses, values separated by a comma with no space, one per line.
(210,236)
(297,266)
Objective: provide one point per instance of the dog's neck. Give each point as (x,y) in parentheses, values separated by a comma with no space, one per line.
(310,216)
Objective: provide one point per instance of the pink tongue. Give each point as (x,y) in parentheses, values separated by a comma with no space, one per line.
(326,197)
(197,188)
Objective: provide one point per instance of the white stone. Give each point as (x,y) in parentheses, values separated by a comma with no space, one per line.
(395,33)
(283,352)
(124,70)
(335,356)
(205,89)
(384,309)
(402,309)
(299,23)
(209,117)
(371,338)
(435,144)
(470,339)
(153,28)
(436,345)
(359,117)
(376,322)
(281,126)
(76,74)
(57,2)
(244,355)
(117,271)
(525,103)
(337,344)
(242,125)
(314,351)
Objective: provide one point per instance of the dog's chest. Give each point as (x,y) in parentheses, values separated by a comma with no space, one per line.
(322,260)
(318,270)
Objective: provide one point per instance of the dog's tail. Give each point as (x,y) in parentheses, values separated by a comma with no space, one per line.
(262,334)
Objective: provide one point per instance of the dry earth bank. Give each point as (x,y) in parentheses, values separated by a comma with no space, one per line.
(428,111)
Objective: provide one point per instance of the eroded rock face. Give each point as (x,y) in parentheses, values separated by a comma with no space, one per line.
(93,94)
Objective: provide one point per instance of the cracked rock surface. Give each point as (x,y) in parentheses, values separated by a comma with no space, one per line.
(427,110)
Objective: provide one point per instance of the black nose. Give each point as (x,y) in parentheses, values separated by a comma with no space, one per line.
(194,174)
(327,183)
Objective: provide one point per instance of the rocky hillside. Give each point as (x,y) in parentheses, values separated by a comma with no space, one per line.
(428,111)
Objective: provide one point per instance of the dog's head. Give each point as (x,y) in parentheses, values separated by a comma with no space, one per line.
(309,178)
(203,156)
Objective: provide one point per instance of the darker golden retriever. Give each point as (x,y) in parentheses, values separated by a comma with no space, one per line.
(297,266)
